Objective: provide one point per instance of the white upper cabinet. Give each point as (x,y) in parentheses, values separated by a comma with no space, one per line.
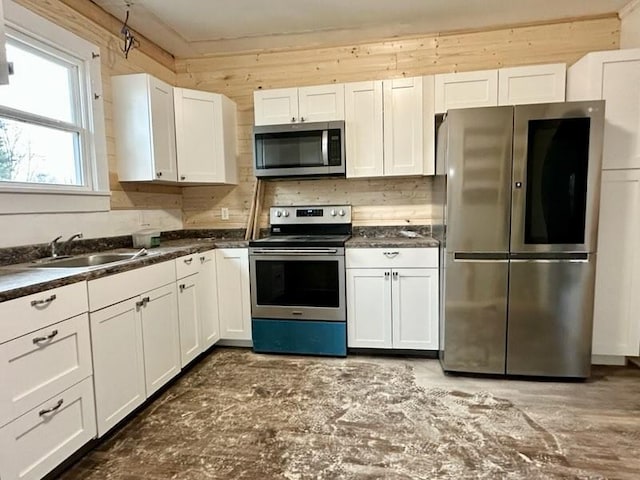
(144,128)
(532,84)
(403,126)
(363,129)
(506,86)
(465,90)
(321,103)
(205,126)
(390,127)
(170,135)
(614,76)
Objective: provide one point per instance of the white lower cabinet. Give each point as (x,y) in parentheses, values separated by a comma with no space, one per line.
(160,336)
(207,289)
(135,338)
(38,441)
(392,307)
(118,362)
(234,300)
(197,304)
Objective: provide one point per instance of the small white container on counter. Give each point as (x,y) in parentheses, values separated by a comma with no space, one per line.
(146,238)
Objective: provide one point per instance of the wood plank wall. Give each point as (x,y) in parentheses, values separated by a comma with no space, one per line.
(376,201)
(92,25)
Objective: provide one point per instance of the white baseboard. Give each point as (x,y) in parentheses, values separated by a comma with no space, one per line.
(235,343)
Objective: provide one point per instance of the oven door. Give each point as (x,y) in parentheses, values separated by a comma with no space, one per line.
(304,284)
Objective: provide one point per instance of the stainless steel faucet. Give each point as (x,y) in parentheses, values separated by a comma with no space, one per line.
(53,246)
(54,243)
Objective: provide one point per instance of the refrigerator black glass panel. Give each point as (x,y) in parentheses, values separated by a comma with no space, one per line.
(303,283)
(557,164)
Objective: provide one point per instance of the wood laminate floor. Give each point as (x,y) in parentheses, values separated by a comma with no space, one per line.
(240,415)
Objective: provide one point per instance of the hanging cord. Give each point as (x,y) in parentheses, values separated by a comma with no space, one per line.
(130,41)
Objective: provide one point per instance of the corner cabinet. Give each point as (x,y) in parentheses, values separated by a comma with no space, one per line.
(392,298)
(143,114)
(205,137)
(321,103)
(234,299)
(172,135)
(389,127)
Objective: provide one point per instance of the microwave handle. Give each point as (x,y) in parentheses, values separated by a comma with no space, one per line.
(325,147)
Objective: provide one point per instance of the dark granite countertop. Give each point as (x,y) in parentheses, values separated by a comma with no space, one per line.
(22,279)
(418,236)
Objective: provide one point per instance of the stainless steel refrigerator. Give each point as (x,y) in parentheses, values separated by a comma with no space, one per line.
(518,257)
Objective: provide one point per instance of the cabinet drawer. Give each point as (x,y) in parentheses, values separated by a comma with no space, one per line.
(36,366)
(187,265)
(115,288)
(391,257)
(33,312)
(34,444)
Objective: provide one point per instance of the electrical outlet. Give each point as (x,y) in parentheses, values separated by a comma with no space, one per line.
(224,213)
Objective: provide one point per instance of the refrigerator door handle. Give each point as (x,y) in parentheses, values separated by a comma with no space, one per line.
(481,257)
(550,260)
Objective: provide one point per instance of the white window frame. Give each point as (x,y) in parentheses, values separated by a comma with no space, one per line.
(95,194)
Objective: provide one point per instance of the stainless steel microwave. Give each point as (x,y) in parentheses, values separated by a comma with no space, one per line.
(299,149)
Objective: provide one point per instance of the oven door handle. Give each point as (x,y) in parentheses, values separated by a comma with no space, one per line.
(325,147)
(306,251)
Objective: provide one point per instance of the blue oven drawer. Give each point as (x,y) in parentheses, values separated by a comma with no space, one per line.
(302,337)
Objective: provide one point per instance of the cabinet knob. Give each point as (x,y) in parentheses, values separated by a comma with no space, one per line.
(293,119)
(386,274)
(302,119)
(395,275)
(182,177)
(158,174)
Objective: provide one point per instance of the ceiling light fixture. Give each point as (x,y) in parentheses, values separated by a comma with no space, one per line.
(130,41)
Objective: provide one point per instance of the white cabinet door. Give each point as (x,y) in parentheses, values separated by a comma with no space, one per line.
(621,90)
(40,440)
(369,308)
(144,128)
(275,106)
(205,137)
(161,336)
(613,76)
(363,129)
(415,308)
(118,362)
(234,300)
(321,103)
(532,84)
(162,129)
(403,126)
(4,67)
(208,300)
(465,90)
(616,328)
(189,314)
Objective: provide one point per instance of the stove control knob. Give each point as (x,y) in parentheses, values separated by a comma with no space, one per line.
(341,213)
(333,213)
(285,213)
(278,213)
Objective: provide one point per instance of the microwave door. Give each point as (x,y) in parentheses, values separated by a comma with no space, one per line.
(556,175)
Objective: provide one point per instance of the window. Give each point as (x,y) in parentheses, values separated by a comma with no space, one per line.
(51,119)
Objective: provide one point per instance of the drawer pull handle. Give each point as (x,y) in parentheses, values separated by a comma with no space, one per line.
(202,259)
(52,409)
(390,254)
(143,302)
(188,261)
(395,275)
(45,338)
(46,301)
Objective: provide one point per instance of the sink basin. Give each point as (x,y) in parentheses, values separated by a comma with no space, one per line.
(86,260)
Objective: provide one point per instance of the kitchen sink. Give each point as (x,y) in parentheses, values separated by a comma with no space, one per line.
(85,261)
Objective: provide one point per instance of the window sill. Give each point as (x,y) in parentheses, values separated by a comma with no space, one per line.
(24,202)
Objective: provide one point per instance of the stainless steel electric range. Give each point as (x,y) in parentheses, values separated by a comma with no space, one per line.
(298,281)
